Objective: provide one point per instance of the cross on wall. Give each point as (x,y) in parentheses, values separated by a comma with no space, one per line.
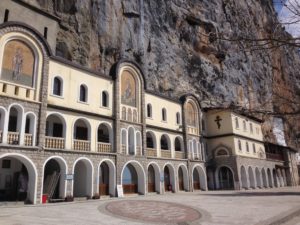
(218,120)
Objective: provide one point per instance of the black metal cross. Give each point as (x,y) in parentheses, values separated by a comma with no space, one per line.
(218,120)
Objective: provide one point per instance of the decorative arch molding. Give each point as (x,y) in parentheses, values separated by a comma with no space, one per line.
(222,147)
(62,118)
(32,172)
(110,130)
(172,175)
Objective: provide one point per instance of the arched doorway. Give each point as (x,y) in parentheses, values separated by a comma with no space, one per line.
(269,177)
(251,178)
(225,178)
(167,179)
(199,178)
(244,178)
(264,178)
(83,178)
(180,179)
(54,183)
(196,180)
(151,179)
(130,180)
(275,178)
(258,178)
(18,180)
(104,179)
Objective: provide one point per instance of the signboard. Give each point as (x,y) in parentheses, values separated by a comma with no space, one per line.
(69,176)
(120,191)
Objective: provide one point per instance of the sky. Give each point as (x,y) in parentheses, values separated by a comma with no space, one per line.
(286,16)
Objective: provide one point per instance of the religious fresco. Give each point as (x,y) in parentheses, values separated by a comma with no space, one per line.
(18,63)
(128,89)
(191,115)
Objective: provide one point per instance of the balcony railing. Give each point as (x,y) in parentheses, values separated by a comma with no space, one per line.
(179,155)
(104,147)
(274,156)
(54,142)
(28,140)
(81,145)
(151,152)
(166,154)
(13,138)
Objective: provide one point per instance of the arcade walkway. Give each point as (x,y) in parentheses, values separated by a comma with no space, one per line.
(207,208)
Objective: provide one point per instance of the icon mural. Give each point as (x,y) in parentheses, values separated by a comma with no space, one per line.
(128,89)
(18,63)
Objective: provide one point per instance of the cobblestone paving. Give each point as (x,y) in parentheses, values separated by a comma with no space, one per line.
(153,211)
(253,207)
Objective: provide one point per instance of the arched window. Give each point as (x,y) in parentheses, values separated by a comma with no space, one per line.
(203,124)
(240,145)
(105,99)
(178,144)
(83,93)
(247,147)
(237,123)
(149,110)
(164,114)
(164,144)
(123,113)
(251,128)
(254,148)
(178,119)
(244,125)
(222,152)
(57,86)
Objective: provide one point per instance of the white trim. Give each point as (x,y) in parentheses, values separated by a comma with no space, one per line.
(86,94)
(201,178)
(185,178)
(33,129)
(112,175)
(157,176)
(61,86)
(172,175)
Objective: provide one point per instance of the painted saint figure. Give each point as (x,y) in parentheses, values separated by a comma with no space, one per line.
(17,64)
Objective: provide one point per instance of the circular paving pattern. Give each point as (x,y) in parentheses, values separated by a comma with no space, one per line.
(153,211)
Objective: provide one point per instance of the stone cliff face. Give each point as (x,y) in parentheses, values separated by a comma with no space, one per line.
(176,43)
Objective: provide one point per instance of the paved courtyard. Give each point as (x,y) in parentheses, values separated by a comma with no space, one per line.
(272,206)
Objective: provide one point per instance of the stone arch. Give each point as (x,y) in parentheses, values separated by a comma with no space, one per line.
(185,181)
(264,178)
(201,179)
(275,179)
(16,123)
(111,177)
(141,188)
(258,178)
(169,179)
(63,170)
(270,178)
(32,173)
(251,177)
(86,123)
(244,178)
(157,184)
(82,184)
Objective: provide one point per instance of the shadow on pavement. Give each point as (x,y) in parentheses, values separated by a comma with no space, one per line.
(254,194)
